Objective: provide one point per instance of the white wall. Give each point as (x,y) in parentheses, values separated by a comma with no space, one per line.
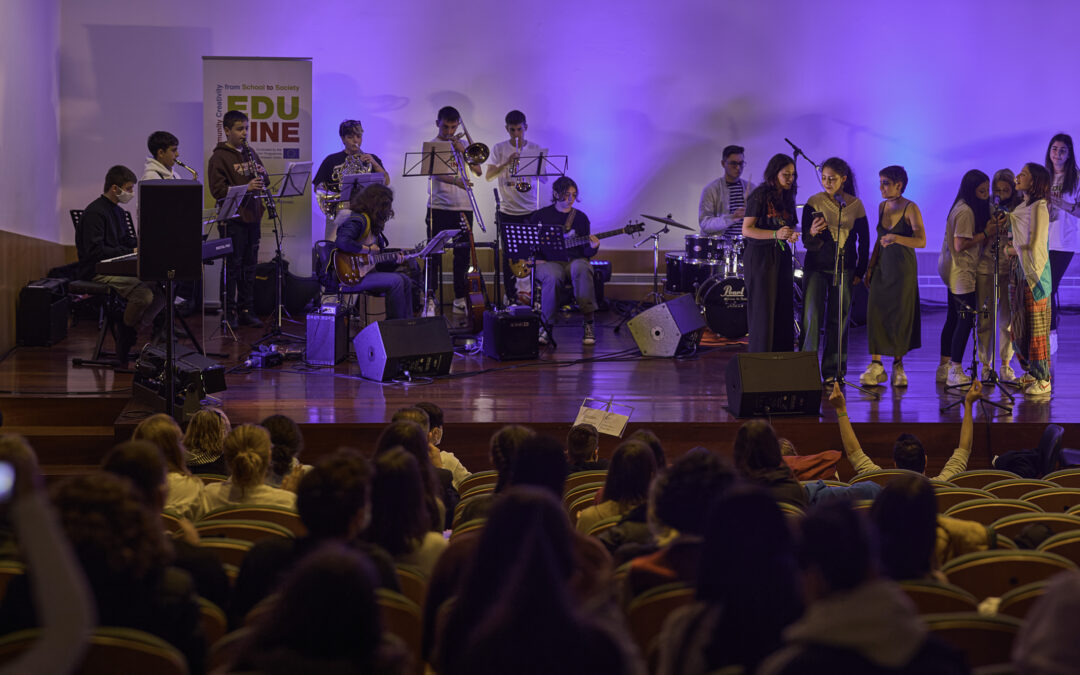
(641,95)
(30,118)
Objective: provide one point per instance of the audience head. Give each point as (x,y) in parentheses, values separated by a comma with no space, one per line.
(399,517)
(836,549)
(582,443)
(247,454)
(414,414)
(503,449)
(541,462)
(334,498)
(435,421)
(908,453)
(647,437)
(326,613)
(630,474)
(905,515)
(681,494)
(1047,641)
(163,431)
(205,435)
(286,442)
(757,449)
(413,438)
(143,465)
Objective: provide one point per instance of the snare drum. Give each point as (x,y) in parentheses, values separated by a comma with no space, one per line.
(723,303)
(685,275)
(703,247)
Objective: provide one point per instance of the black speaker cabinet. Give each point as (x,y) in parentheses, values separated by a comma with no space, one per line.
(170,230)
(668,328)
(774,383)
(511,336)
(327,337)
(41,319)
(418,347)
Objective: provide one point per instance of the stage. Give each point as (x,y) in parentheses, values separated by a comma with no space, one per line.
(73,415)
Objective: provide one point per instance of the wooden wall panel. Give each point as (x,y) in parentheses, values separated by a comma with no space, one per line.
(23,259)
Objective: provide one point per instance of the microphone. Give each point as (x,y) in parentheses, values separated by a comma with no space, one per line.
(840,200)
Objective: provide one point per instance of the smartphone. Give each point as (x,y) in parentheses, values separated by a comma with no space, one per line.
(7,481)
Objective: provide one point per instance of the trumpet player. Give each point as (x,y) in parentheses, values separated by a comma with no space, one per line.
(518,196)
(448,200)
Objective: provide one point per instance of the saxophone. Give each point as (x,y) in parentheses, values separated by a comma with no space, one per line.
(330,201)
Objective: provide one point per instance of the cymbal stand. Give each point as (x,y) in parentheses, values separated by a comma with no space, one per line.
(655,297)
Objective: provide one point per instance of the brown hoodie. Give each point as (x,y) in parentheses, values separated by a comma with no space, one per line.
(227,168)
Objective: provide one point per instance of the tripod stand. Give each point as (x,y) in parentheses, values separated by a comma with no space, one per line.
(839,273)
(654,297)
(967,311)
(992,378)
(275,331)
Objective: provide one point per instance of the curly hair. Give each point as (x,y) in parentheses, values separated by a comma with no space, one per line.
(377,203)
(163,431)
(247,454)
(286,440)
(205,435)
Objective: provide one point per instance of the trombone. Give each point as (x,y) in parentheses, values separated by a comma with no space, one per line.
(474,153)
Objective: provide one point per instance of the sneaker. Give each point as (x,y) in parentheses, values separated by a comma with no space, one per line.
(1024,381)
(874,374)
(459,305)
(429,308)
(899,377)
(1038,388)
(1053,342)
(1007,374)
(545,337)
(249,319)
(957,376)
(590,335)
(942,374)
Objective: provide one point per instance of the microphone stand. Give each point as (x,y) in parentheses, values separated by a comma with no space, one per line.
(841,320)
(968,310)
(655,297)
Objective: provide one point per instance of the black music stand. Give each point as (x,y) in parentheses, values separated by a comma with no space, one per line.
(526,240)
(227,208)
(541,165)
(435,159)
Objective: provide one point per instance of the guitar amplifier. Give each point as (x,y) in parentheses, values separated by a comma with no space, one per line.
(511,336)
(41,319)
(327,337)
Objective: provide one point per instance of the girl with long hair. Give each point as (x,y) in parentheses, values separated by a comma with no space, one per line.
(247,455)
(1064,209)
(769,229)
(831,217)
(1030,223)
(186,494)
(204,439)
(892,311)
(632,469)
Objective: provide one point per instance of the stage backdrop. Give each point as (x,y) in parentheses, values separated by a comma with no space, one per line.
(275,93)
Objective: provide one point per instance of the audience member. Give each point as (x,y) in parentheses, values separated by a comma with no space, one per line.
(398,523)
(647,437)
(583,449)
(186,496)
(748,590)
(633,466)
(143,465)
(247,456)
(515,612)
(905,515)
(326,620)
(1047,643)
(439,495)
(205,440)
(908,451)
(334,503)
(124,555)
(286,444)
(448,460)
(502,449)
(855,622)
(758,459)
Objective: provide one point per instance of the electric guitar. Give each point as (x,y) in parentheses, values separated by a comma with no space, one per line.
(352,267)
(520,268)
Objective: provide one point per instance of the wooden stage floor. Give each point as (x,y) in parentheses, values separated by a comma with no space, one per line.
(683,397)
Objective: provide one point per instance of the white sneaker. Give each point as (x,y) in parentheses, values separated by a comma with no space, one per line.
(589,337)
(957,376)
(459,305)
(1025,381)
(874,374)
(429,308)
(1038,388)
(1053,342)
(942,374)
(1007,374)
(899,377)
(545,337)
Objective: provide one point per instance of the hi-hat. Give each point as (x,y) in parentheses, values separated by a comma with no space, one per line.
(667,221)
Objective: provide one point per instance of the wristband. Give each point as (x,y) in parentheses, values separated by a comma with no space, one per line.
(774,235)
(840,413)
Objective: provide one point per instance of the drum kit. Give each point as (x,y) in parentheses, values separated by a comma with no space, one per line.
(712,269)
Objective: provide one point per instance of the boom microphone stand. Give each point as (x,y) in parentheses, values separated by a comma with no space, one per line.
(990,376)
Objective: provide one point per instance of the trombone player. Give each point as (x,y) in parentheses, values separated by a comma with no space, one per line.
(450,197)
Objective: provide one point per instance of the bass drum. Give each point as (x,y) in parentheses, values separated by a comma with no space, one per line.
(723,304)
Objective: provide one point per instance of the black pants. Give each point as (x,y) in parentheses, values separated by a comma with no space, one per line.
(958,322)
(1059,262)
(438,220)
(239,269)
(508,276)
(770,307)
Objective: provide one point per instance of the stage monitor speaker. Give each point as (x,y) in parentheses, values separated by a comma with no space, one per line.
(42,315)
(774,383)
(511,336)
(668,328)
(327,337)
(170,230)
(404,347)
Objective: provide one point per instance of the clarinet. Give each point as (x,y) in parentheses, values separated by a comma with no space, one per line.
(249,157)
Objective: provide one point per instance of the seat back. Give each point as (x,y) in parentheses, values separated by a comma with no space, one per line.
(246,530)
(9,569)
(213,622)
(988,574)
(986,511)
(1065,544)
(590,489)
(1019,601)
(580,504)
(478,478)
(466,527)
(478,489)
(460,507)
(984,640)
(1065,477)
(980,478)
(951,496)
(1015,488)
(1012,526)
(111,650)
(401,617)
(603,524)
(1054,499)
(647,612)
(579,478)
(931,597)
(227,551)
(279,515)
(882,476)
(413,582)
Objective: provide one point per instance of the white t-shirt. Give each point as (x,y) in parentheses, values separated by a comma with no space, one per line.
(223,494)
(961,223)
(186,495)
(513,202)
(447,196)
(1035,261)
(1064,227)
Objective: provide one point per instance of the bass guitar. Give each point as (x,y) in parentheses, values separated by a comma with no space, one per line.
(476,299)
(520,268)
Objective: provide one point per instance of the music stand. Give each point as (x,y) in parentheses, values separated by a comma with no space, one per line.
(526,240)
(294,182)
(434,159)
(541,165)
(357,182)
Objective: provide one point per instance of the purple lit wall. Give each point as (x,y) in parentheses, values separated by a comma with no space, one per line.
(641,95)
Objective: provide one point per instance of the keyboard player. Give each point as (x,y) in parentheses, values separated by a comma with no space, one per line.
(101,233)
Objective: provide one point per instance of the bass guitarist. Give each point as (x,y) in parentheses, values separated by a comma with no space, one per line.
(574,261)
(362,232)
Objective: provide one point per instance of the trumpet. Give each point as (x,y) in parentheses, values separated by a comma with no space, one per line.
(522,185)
(194,173)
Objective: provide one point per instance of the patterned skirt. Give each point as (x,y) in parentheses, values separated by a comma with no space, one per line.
(1031,328)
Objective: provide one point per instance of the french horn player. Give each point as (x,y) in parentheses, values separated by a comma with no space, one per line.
(350,160)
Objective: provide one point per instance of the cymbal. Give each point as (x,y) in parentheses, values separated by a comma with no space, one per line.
(667,221)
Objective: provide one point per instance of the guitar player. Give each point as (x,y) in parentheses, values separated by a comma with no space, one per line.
(362,232)
(575,261)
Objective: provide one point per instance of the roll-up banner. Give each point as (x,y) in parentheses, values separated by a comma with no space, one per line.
(275,94)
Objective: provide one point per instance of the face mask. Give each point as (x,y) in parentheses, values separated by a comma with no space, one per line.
(124,197)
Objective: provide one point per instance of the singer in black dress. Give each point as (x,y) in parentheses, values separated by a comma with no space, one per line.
(770,231)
